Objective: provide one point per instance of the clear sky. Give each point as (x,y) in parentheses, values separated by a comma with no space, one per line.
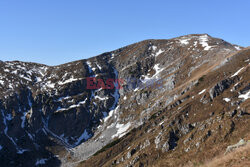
(58,31)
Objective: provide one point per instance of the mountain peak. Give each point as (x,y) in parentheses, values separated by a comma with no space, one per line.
(156,97)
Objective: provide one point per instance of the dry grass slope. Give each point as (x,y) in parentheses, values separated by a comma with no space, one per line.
(237,158)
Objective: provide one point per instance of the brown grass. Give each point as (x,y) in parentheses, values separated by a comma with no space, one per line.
(237,158)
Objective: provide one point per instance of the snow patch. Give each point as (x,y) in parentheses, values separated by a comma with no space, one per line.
(101,98)
(237,72)
(159,52)
(21,151)
(72,106)
(50,85)
(111,113)
(237,47)
(157,69)
(91,69)
(122,128)
(41,161)
(227,99)
(195,43)
(245,96)
(72,79)
(38,79)
(23,118)
(184,41)
(84,136)
(99,67)
(202,91)
(203,41)
(6,70)
(136,89)
(161,122)
(154,48)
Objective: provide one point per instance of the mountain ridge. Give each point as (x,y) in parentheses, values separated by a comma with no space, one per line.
(124,47)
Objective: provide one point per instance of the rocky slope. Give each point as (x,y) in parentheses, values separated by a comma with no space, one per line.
(173,99)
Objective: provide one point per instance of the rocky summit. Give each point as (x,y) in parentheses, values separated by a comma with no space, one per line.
(174,102)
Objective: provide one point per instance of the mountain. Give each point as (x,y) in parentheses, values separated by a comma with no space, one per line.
(172,102)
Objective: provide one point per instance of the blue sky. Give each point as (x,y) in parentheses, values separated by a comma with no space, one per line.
(58,31)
